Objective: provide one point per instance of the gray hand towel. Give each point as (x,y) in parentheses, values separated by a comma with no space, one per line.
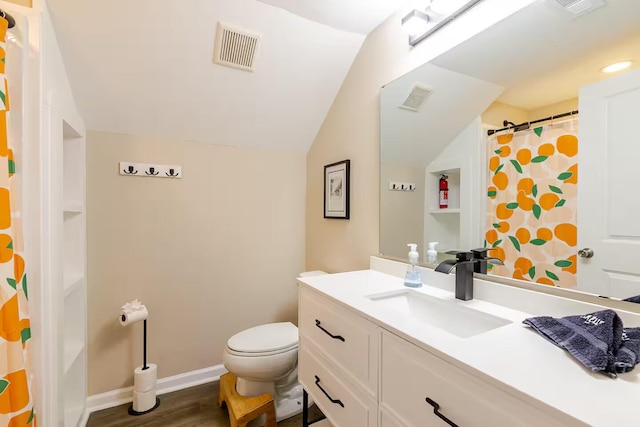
(593,339)
(635,299)
(629,354)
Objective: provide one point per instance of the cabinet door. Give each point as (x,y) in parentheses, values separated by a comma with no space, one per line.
(336,397)
(388,420)
(346,339)
(411,375)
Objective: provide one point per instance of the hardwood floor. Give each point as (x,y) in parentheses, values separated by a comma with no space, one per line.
(192,407)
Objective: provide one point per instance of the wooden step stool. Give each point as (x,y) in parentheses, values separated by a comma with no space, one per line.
(244,409)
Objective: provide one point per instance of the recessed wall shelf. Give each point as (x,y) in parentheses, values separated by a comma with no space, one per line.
(445,211)
(71,354)
(72,293)
(73,207)
(72,282)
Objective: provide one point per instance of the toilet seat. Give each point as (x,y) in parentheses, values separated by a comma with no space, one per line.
(264,340)
(263,354)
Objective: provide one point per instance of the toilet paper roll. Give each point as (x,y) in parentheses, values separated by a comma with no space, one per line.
(144,401)
(145,379)
(133,312)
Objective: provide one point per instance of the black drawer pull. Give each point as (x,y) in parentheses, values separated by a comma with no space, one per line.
(335,337)
(336,401)
(436,410)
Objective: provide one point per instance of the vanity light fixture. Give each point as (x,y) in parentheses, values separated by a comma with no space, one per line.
(420,25)
(415,23)
(618,66)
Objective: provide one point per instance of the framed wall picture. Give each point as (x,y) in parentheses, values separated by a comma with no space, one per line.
(336,190)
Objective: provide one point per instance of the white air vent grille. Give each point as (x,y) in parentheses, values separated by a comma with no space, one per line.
(236,47)
(419,93)
(580,7)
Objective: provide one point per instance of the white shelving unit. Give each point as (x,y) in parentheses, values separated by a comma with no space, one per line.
(443,225)
(73,344)
(444,211)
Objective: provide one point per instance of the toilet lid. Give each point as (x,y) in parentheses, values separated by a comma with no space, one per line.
(265,338)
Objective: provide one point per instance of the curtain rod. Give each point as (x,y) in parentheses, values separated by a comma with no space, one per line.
(8,18)
(527,125)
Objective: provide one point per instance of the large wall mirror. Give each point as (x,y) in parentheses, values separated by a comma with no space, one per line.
(554,195)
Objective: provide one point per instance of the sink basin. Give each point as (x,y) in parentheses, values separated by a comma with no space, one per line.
(447,315)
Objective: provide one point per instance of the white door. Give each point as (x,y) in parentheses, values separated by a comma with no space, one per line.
(609,186)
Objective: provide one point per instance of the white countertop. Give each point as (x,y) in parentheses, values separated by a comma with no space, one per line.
(513,357)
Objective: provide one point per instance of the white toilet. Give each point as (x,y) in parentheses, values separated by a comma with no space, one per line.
(265,360)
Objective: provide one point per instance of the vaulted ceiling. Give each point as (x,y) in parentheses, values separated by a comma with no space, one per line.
(146,67)
(543,54)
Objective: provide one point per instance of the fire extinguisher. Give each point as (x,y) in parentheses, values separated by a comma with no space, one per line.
(444,192)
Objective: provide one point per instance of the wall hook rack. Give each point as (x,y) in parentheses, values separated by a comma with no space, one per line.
(150,170)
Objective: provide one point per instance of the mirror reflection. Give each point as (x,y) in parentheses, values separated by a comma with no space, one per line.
(518,140)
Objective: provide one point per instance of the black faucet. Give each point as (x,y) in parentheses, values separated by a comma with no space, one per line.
(480,255)
(466,263)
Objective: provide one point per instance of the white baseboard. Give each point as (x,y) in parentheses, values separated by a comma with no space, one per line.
(113,398)
(84,418)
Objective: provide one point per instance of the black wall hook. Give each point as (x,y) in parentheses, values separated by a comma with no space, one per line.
(172,172)
(152,171)
(130,170)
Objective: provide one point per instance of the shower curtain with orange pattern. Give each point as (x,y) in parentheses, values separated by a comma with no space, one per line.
(532,203)
(16,404)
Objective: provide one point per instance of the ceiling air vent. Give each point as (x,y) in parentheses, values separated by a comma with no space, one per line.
(580,7)
(419,93)
(235,47)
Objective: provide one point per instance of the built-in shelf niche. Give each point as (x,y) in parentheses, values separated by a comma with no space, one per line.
(73,349)
(74,390)
(453,178)
(443,224)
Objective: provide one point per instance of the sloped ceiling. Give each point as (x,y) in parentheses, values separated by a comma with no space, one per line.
(357,16)
(145,67)
(419,137)
(543,55)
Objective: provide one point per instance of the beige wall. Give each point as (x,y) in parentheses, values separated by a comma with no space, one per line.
(210,254)
(351,131)
(498,112)
(402,212)
(554,109)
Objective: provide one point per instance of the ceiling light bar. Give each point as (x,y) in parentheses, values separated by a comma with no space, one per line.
(415,39)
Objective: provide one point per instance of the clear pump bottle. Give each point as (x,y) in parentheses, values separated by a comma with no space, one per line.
(432,254)
(413,279)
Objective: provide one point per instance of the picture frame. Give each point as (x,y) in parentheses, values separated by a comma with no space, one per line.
(336,190)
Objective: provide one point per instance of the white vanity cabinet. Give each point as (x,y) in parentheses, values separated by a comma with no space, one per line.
(362,375)
(338,361)
(411,375)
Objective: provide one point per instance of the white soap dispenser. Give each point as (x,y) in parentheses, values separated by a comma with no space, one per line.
(432,253)
(412,279)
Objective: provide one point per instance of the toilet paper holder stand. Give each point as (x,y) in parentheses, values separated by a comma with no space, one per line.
(145,366)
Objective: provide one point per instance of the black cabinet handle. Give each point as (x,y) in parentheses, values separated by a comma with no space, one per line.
(336,401)
(335,337)
(436,410)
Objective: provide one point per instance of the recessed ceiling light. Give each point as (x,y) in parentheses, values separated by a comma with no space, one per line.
(618,66)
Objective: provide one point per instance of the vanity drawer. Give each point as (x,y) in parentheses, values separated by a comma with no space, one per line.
(346,339)
(336,398)
(410,375)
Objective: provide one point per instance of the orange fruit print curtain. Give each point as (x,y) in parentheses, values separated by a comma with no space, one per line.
(16,404)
